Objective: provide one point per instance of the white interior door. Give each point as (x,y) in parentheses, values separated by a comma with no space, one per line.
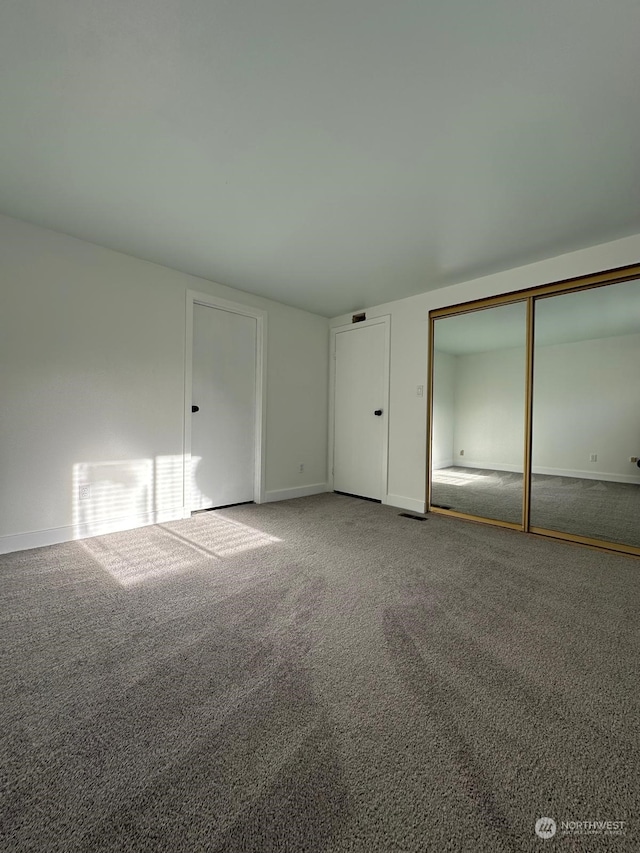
(224,390)
(359,444)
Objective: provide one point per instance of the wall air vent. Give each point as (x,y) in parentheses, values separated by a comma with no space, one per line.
(358,318)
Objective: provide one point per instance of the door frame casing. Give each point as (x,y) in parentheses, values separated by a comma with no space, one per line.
(193,298)
(383,320)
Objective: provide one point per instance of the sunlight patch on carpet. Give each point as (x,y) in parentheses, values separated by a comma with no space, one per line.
(162,551)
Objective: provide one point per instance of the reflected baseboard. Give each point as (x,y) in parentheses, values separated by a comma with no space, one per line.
(589,475)
(550,472)
(507,467)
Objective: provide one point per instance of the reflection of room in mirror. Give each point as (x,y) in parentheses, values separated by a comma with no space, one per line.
(585,400)
(586,414)
(478,412)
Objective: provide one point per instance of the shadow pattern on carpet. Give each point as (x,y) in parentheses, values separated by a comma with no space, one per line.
(316,675)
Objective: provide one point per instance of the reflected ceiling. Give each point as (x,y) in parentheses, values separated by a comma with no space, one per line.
(596,313)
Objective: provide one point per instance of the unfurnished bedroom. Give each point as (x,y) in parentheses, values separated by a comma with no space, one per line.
(319,426)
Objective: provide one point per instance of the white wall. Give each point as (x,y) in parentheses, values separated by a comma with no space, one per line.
(409,347)
(92,359)
(444,379)
(489,410)
(587,400)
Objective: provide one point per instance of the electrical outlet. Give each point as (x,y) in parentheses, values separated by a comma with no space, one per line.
(633,459)
(84,493)
(301,469)
(462,453)
(593,457)
(420,391)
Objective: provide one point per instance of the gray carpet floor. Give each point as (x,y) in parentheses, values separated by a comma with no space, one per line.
(594,508)
(317,675)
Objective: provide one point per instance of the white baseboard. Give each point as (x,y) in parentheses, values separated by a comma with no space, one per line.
(589,475)
(405,503)
(447,463)
(297,492)
(554,472)
(56,535)
(499,466)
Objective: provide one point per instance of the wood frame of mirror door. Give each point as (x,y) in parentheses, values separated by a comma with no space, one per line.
(529,295)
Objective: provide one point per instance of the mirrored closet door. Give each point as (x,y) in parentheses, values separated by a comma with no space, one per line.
(586,414)
(479,361)
(534,410)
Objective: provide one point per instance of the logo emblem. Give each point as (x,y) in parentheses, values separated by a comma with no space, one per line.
(545,827)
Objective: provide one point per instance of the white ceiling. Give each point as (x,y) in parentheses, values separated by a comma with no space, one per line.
(329,155)
(600,312)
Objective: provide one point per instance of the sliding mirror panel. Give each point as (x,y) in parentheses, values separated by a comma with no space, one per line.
(478,407)
(586,414)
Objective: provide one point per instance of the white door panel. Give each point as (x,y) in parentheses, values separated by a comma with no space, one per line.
(359,434)
(224,388)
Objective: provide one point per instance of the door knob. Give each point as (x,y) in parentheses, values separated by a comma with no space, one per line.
(195,408)
(378,412)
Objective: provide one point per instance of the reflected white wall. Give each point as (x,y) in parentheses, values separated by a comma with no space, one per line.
(587,402)
(444,373)
(489,410)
